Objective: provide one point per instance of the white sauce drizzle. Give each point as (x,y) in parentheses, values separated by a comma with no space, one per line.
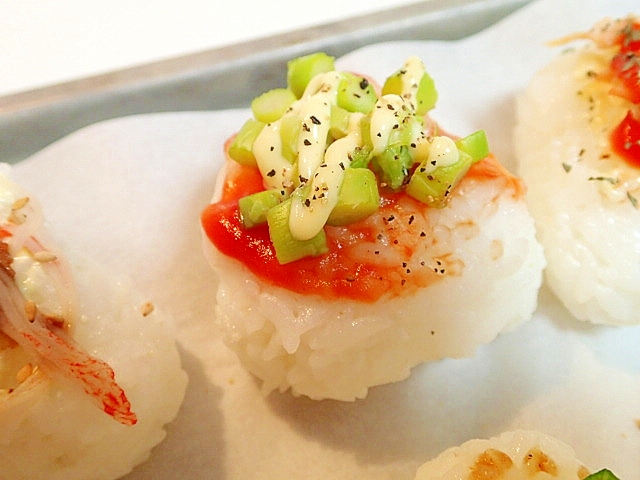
(309,214)
(315,112)
(275,169)
(442,153)
(411,75)
(388,111)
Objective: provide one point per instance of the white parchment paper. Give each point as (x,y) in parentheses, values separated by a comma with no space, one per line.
(129,193)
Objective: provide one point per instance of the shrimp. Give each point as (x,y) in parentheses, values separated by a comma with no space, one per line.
(42,327)
(608,32)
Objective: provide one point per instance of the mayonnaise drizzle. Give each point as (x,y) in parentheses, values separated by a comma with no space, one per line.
(275,169)
(315,112)
(388,112)
(411,74)
(309,213)
(442,153)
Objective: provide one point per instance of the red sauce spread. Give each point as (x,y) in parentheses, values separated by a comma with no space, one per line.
(625,67)
(625,139)
(366,260)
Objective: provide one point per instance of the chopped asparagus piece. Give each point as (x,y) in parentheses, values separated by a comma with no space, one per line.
(475,144)
(433,187)
(407,133)
(272,104)
(289,135)
(301,70)
(254,207)
(355,94)
(339,122)
(240,149)
(289,249)
(427,95)
(358,197)
(393,165)
(412,81)
(361,157)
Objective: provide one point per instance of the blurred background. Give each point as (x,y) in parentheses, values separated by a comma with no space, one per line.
(68,64)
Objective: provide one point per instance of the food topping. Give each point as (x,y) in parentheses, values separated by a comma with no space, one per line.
(608,80)
(330,146)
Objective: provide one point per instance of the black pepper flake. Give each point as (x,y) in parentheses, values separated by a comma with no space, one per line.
(376,252)
(611,180)
(307,202)
(364,83)
(302,179)
(422,234)
(341,165)
(307,142)
(272,148)
(403,281)
(271,173)
(315,120)
(411,219)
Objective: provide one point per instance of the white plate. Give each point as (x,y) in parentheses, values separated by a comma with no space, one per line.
(129,193)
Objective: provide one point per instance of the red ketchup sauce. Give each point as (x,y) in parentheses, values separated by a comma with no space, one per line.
(344,272)
(625,69)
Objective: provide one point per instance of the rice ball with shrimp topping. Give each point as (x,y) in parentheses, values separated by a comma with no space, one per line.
(354,239)
(89,370)
(578,145)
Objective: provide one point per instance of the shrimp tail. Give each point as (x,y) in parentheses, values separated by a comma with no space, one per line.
(96,376)
(59,353)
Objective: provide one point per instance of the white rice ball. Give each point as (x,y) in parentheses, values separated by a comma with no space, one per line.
(582,196)
(54,431)
(339,348)
(51,429)
(516,455)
